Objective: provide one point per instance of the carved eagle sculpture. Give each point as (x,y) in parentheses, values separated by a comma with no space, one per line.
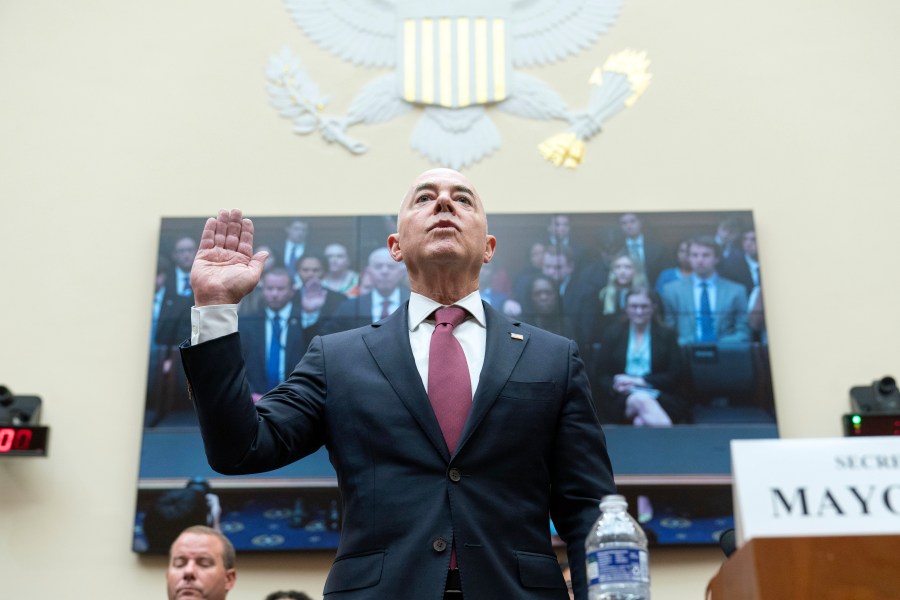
(454,60)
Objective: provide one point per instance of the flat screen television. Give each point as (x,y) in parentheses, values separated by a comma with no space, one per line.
(569,273)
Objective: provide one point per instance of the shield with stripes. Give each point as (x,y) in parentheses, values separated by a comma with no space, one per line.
(454,61)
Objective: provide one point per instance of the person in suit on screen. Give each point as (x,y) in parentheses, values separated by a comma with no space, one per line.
(639,373)
(387,294)
(706,307)
(442,497)
(272,339)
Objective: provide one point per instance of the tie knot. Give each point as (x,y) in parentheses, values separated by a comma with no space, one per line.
(450,315)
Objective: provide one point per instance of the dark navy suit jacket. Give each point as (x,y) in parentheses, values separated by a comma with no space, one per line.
(531,448)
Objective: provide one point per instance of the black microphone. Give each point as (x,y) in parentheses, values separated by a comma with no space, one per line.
(728,542)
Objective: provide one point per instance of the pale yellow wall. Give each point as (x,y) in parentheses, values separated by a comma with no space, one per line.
(114,113)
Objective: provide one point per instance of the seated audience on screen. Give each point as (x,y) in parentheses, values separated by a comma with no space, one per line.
(340,277)
(728,236)
(317,303)
(201,565)
(387,294)
(559,235)
(172,326)
(543,308)
(295,244)
(624,275)
(253,302)
(497,298)
(646,252)
(532,269)
(272,340)
(639,368)
(574,289)
(681,270)
(706,308)
(743,267)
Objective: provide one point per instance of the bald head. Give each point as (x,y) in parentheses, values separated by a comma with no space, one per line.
(442,235)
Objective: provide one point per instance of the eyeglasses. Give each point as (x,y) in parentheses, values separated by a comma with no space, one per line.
(638,307)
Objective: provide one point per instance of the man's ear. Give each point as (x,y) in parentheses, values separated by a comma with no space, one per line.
(489,245)
(230,577)
(394,247)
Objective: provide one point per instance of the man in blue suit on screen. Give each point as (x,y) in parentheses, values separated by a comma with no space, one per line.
(454,431)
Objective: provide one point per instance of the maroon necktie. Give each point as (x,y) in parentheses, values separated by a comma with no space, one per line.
(386,308)
(449,386)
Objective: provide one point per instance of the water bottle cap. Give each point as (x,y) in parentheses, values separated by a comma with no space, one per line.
(613,500)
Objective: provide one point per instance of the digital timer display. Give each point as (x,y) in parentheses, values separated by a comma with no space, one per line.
(23,441)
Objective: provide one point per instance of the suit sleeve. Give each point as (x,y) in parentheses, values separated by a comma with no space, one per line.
(239,436)
(582,472)
(737,310)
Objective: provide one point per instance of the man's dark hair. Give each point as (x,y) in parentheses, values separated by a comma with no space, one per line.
(707,241)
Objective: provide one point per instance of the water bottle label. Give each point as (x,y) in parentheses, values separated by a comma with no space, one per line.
(618,565)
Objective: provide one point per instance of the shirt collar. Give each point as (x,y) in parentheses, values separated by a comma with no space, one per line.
(421,307)
(282,314)
(711,280)
(394,297)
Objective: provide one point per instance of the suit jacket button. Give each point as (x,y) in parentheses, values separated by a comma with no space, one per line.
(454,475)
(439,544)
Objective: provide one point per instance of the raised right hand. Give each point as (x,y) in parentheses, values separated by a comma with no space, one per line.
(225,269)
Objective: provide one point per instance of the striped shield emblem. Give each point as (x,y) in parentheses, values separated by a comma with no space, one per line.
(454,61)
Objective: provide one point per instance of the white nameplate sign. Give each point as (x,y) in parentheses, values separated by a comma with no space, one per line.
(816,487)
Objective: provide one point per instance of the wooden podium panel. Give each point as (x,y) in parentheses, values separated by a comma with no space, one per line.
(820,568)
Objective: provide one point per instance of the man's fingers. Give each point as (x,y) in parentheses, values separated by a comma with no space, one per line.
(226,231)
(233,230)
(221,228)
(245,244)
(207,238)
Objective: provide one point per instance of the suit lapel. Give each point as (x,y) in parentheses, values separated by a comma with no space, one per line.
(388,341)
(501,353)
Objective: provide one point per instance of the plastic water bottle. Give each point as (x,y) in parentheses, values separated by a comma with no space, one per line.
(616,551)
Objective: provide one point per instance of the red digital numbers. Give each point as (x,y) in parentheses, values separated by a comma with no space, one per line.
(14,439)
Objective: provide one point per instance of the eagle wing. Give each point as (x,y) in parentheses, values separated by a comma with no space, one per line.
(360,31)
(544,31)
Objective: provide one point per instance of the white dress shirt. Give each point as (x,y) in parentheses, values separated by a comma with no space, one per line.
(471,333)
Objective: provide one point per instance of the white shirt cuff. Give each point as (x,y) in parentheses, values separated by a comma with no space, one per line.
(211,322)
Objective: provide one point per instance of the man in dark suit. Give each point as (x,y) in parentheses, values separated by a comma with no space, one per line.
(173,325)
(295,244)
(650,255)
(268,361)
(743,267)
(168,386)
(441,497)
(387,295)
